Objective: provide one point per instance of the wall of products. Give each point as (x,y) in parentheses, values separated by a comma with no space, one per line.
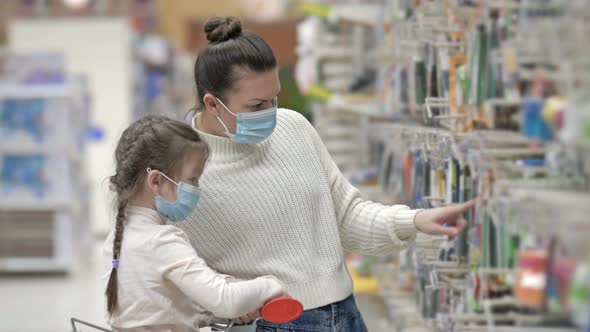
(459,100)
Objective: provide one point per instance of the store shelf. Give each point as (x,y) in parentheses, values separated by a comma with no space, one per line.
(495,102)
(369,110)
(500,153)
(36,205)
(71,151)
(559,199)
(25,265)
(363,13)
(338,70)
(27,91)
(516,5)
(341,147)
(337,131)
(355,13)
(336,52)
(494,137)
(384,56)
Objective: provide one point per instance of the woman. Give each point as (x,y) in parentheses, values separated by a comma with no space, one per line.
(274,202)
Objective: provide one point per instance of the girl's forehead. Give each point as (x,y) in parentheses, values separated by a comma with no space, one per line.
(193,162)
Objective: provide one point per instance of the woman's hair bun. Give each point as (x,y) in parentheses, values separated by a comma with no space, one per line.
(220,29)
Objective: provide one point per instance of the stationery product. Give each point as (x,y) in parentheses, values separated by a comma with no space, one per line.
(531,279)
(533,124)
(408,175)
(455,91)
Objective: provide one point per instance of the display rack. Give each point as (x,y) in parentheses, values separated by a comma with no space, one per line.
(43,201)
(472,99)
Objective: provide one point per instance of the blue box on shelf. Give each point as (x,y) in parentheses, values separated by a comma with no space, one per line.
(30,177)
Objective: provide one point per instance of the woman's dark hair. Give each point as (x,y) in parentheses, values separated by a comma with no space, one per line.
(229,49)
(153,142)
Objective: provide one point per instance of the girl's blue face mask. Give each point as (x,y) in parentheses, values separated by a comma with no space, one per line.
(187,199)
(252,127)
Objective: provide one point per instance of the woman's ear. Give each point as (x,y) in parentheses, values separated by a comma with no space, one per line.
(211,104)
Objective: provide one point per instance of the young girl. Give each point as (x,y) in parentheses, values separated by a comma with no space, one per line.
(157,281)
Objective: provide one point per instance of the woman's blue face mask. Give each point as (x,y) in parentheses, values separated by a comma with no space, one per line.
(252,127)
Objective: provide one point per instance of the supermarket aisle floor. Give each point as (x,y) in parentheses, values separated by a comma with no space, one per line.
(45,303)
(373,309)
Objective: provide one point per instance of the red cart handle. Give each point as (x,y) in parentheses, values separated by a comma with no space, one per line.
(282,310)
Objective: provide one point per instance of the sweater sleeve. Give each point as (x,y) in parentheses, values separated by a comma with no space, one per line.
(178,262)
(365,227)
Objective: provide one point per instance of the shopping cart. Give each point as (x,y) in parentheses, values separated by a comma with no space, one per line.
(278,311)
(95,327)
(231,327)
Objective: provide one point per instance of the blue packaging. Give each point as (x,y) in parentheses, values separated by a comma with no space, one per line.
(533,124)
(22,115)
(23,172)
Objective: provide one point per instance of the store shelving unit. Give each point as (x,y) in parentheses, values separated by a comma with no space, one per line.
(43,191)
(347,12)
(14,90)
(449,122)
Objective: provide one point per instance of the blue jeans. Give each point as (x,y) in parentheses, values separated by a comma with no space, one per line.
(341,316)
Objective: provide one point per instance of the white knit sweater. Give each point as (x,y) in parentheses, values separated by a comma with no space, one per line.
(283,208)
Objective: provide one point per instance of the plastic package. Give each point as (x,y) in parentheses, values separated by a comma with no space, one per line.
(533,124)
(35,121)
(26,177)
(531,279)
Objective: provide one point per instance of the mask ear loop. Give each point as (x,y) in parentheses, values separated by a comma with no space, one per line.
(227,109)
(194,121)
(149,170)
(219,119)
